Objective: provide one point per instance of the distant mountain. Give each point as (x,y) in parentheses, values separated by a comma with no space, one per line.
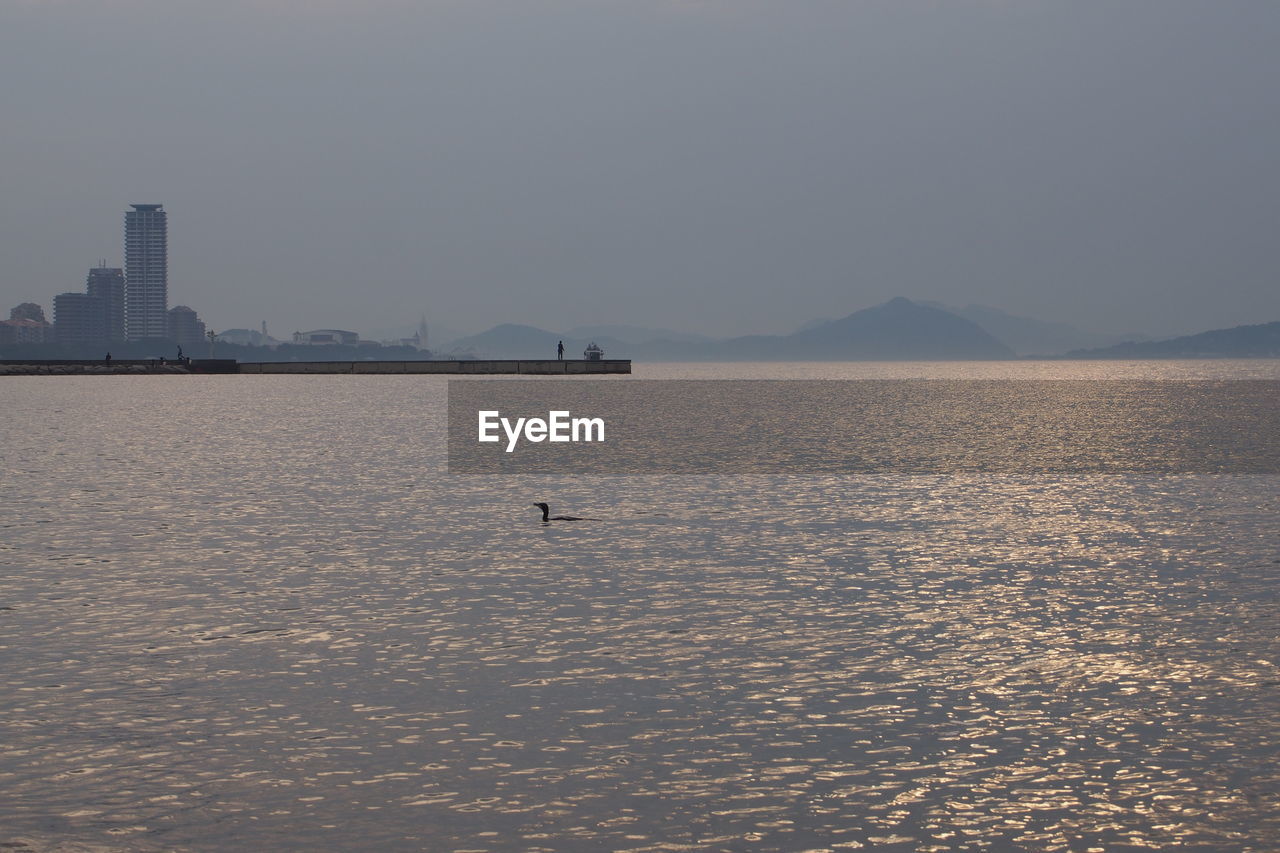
(1261,341)
(511,340)
(897,330)
(633,334)
(822,321)
(1028,336)
(507,341)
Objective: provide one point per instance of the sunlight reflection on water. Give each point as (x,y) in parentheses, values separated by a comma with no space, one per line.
(252,612)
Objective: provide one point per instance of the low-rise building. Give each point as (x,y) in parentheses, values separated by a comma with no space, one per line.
(247,337)
(26,325)
(24,332)
(326,337)
(28,311)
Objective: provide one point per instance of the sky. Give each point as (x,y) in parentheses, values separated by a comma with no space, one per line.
(714,166)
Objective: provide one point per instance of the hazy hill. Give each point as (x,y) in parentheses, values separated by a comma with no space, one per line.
(1261,341)
(1029,336)
(632,334)
(898,329)
(511,340)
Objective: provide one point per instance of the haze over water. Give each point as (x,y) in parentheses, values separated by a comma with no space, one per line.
(253,613)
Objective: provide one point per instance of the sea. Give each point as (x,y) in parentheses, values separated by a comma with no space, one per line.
(257,613)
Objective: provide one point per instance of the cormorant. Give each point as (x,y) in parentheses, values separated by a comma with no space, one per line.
(545,510)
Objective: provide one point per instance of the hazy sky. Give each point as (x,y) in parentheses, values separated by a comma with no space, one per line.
(710,165)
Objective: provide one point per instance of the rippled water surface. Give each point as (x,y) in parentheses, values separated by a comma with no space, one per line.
(250,613)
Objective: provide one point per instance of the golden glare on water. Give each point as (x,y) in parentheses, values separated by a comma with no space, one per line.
(253,613)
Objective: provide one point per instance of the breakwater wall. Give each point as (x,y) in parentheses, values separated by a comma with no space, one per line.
(535,367)
(138,367)
(115,367)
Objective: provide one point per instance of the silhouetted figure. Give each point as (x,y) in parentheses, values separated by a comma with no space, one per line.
(560,351)
(108,358)
(179,353)
(545,510)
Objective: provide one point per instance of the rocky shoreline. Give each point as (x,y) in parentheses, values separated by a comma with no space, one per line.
(132,369)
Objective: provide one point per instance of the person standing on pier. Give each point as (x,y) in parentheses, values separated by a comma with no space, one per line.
(560,351)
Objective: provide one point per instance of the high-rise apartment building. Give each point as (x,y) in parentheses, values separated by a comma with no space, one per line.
(107,283)
(146,268)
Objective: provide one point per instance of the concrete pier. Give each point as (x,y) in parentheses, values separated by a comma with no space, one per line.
(536,367)
(96,367)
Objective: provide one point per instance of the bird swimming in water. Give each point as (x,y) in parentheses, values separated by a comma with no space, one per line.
(546,510)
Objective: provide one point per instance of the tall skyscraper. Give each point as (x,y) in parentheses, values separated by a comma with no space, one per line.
(146,269)
(107,283)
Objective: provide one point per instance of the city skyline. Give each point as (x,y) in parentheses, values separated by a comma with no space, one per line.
(722,168)
(114,308)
